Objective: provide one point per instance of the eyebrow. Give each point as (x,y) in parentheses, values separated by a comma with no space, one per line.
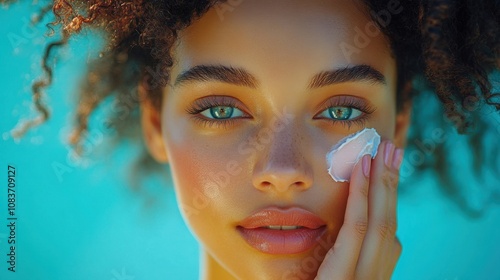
(239,76)
(358,73)
(205,73)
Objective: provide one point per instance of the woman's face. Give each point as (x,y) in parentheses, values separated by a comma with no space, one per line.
(259,93)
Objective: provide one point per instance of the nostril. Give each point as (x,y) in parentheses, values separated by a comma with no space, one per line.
(266,184)
(282,180)
(300,184)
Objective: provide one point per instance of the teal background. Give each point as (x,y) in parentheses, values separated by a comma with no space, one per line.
(88,223)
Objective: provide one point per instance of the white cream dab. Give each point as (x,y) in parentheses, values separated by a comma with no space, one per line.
(347,152)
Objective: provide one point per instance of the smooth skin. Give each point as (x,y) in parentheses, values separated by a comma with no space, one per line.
(272,152)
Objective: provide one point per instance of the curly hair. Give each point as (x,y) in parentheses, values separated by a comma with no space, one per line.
(451,45)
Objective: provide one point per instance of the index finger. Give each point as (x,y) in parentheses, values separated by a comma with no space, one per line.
(340,261)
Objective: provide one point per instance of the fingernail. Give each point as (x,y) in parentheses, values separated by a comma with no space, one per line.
(366,165)
(398,158)
(389,147)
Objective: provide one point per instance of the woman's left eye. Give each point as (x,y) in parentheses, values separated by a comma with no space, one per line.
(222,112)
(341,113)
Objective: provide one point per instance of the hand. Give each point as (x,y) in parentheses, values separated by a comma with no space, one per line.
(366,246)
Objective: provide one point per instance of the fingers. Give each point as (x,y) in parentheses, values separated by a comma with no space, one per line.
(380,247)
(393,257)
(340,261)
(366,246)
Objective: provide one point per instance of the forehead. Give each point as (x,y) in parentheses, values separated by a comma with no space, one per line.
(317,35)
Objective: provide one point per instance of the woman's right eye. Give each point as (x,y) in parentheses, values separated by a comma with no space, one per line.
(216,111)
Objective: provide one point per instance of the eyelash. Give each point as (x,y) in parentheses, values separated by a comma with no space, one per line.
(201,105)
(351,102)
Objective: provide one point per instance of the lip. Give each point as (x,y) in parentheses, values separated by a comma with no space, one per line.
(273,241)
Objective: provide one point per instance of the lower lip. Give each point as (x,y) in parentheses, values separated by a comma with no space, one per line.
(282,241)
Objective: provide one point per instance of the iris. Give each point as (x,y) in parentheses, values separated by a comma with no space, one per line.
(221,112)
(340,112)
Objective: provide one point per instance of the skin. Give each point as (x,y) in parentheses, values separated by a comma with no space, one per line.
(264,159)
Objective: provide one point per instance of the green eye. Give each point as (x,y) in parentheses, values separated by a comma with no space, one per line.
(341,113)
(222,112)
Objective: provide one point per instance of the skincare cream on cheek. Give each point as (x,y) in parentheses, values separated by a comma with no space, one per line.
(349,150)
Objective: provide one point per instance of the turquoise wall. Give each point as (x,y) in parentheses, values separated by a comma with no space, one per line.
(81,220)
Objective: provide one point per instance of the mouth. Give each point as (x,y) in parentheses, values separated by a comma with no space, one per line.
(283,227)
(282,231)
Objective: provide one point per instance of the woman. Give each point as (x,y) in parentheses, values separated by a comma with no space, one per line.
(243,99)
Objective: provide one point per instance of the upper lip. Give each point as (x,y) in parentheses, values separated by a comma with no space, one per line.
(274,216)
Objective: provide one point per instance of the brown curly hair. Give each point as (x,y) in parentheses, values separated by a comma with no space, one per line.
(453,46)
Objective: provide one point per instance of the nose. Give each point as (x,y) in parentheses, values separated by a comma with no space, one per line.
(281,166)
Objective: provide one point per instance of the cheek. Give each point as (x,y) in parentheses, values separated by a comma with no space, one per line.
(211,177)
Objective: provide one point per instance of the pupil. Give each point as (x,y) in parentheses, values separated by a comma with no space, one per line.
(340,113)
(221,112)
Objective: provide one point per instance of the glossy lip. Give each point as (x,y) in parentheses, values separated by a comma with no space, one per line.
(253,230)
